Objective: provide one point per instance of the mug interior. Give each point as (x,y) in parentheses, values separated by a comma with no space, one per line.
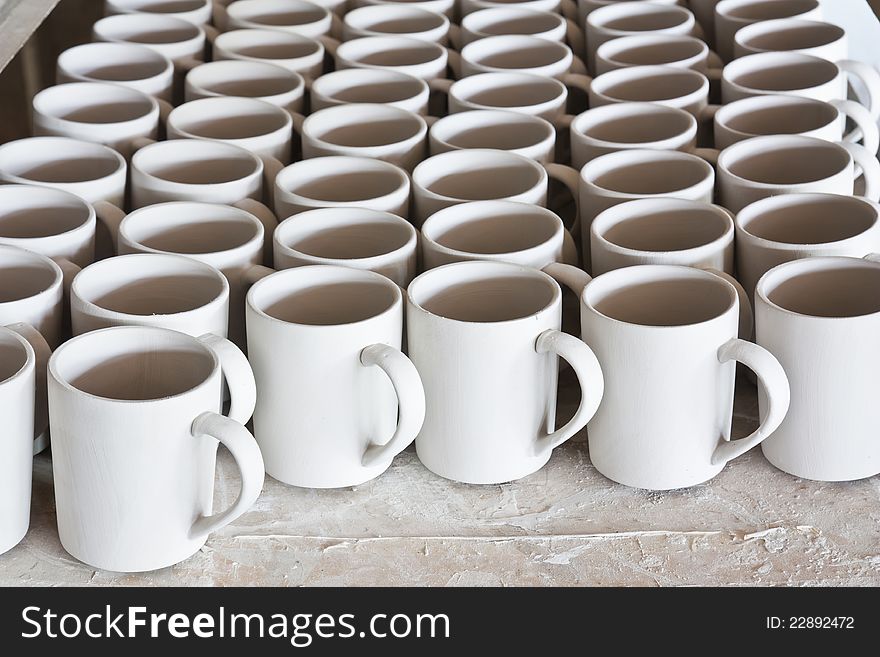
(93,103)
(515,52)
(391,19)
(177,161)
(683,227)
(267,44)
(471,230)
(13,356)
(275,14)
(660,296)
(813,219)
(133,365)
(36,212)
(160,6)
(479,292)
(390,51)
(634,124)
(646,172)
(246,79)
(322,295)
(472,175)
(113,62)
(154,30)
(340,182)
(505,131)
(641,19)
(24,275)
(344,235)
(652,52)
(774,115)
(825,287)
(366,86)
(763,11)
(793,35)
(792,164)
(635,85)
(501,21)
(229,118)
(189,228)
(774,75)
(58,160)
(359,127)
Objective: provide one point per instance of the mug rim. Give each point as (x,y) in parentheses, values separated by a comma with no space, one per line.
(258,105)
(401,43)
(103,25)
(30,360)
(620,44)
(499,267)
(47,262)
(83,89)
(636,275)
(206,68)
(626,10)
(170,144)
(475,83)
(391,75)
(398,9)
(264,36)
(121,164)
(513,12)
(348,274)
(642,156)
(99,334)
(142,50)
(249,10)
(362,114)
(365,164)
(549,138)
(628,74)
(746,63)
(42,193)
(632,109)
(762,28)
(743,106)
(729,4)
(796,268)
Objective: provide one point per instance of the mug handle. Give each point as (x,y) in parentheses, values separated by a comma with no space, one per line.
(589,374)
(111,216)
(255,273)
(870,168)
(238,374)
(267,218)
(577,66)
(746,316)
(42,353)
(866,127)
(453,62)
(271,168)
(577,81)
(568,8)
(246,452)
(772,377)
(870,78)
(410,398)
(570,178)
(330,44)
(872,257)
(574,36)
(569,248)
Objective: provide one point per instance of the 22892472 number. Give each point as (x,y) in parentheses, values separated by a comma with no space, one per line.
(811,623)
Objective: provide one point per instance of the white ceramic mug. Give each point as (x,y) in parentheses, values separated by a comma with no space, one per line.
(819,317)
(342,182)
(349,237)
(338,400)
(446,7)
(788,227)
(491,332)
(777,114)
(627,175)
(150,289)
(104,113)
(367,130)
(481,175)
(515,92)
(797,74)
(666,338)
(194,11)
(294,16)
(250,79)
(680,51)
(199,170)
(622,19)
(526,135)
(227,238)
(662,231)
(517,52)
(782,164)
(467,7)
(293,52)
(142,405)
(255,125)
(128,64)
(825,40)
(586,7)
(733,15)
(365,85)
(421,59)
(626,126)
(514,19)
(92,171)
(174,38)
(399,19)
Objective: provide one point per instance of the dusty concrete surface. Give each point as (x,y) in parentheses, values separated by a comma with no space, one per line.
(565,525)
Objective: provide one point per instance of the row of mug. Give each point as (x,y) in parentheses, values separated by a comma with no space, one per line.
(334,398)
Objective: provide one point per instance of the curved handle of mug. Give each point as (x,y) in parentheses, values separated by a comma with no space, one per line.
(248,458)
(563,121)
(574,36)
(337,27)
(111,216)
(708,154)
(271,168)
(866,128)
(870,78)
(589,374)
(219,17)
(267,218)
(714,60)
(772,377)
(454,36)
(238,374)
(330,44)
(872,257)
(698,31)
(69,270)
(574,278)
(707,116)
(255,273)
(577,81)
(569,177)
(42,353)
(569,249)
(453,61)
(410,400)
(577,66)
(568,8)
(870,168)
(746,316)
(211,31)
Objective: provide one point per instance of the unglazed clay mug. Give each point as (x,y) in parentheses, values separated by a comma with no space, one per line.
(92,171)
(174,38)
(401,19)
(819,317)
(626,126)
(627,175)
(781,114)
(782,164)
(194,11)
(349,237)
(825,40)
(788,227)
(446,7)
(294,52)
(586,7)
(365,130)
(514,92)
(662,231)
(366,85)
(421,59)
(294,16)
(342,182)
(338,400)
(526,135)
(733,15)
(666,339)
(491,331)
(150,289)
(109,114)
(680,51)
(255,125)
(248,79)
(797,74)
(481,175)
(468,7)
(144,404)
(514,19)
(225,237)
(127,64)
(516,52)
(622,19)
